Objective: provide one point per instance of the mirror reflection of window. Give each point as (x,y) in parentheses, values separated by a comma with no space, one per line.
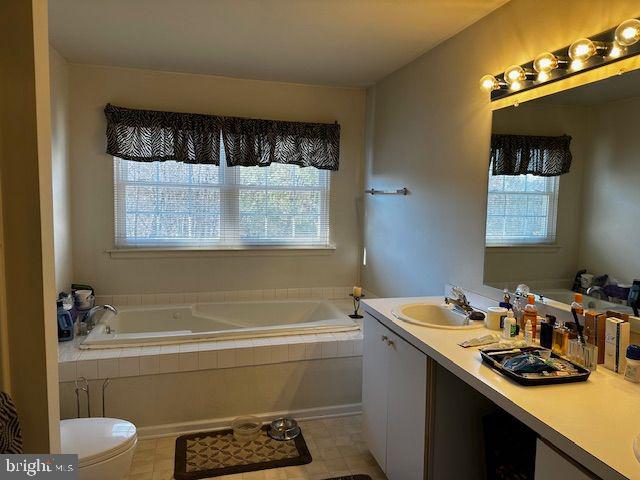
(521,209)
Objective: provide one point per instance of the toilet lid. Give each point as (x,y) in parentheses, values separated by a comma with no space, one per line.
(96,439)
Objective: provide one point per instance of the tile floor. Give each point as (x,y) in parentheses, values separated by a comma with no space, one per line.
(336,446)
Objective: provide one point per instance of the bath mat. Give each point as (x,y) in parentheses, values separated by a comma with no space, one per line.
(351,477)
(211,454)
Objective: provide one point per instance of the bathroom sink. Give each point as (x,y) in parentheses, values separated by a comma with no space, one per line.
(434,316)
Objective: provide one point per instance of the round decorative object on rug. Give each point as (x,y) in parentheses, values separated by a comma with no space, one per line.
(246,429)
(285,428)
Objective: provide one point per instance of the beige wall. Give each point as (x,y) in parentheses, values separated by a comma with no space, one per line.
(59,71)
(92,87)
(610,232)
(431,134)
(541,266)
(28,317)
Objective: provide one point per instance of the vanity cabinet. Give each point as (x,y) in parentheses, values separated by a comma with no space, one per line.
(394,401)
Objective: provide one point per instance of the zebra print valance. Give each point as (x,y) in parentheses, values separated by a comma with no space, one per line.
(150,135)
(529,154)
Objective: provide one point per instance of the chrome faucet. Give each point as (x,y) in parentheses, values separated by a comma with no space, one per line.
(597,292)
(89,317)
(459,301)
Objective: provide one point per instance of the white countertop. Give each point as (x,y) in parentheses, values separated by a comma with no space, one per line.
(594,422)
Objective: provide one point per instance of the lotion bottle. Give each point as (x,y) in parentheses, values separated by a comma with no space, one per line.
(509,326)
(530,315)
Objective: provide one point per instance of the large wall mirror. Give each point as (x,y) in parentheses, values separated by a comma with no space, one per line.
(563,209)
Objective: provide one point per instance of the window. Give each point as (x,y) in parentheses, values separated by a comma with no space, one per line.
(170,204)
(521,210)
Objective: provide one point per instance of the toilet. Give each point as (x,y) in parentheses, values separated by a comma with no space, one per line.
(104,446)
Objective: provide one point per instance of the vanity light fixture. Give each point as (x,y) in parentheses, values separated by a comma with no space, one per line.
(628,32)
(583,49)
(584,54)
(616,51)
(545,63)
(516,74)
(489,83)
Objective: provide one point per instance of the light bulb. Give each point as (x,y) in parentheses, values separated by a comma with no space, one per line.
(543,76)
(628,32)
(615,51)
(515,73)
(577,64)
(515,85)
(545,62)
(488,83)
(582,49)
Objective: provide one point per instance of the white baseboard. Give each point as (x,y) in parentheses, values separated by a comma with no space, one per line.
(220,423)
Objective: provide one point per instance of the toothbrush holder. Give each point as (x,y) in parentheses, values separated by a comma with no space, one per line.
(584,354)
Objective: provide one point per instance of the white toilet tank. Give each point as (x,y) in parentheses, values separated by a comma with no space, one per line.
(104,446)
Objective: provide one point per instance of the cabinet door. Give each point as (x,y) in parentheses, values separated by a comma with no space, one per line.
(374,388)
(407,409)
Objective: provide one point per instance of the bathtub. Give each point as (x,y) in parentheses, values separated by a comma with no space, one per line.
(565,297)
(168,324)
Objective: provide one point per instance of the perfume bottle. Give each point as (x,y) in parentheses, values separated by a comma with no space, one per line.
(560,340)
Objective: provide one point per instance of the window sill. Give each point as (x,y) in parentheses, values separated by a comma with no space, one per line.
(248,251)
(542,248)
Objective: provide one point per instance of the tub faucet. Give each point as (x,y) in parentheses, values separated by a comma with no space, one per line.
(89,318)
(597,292)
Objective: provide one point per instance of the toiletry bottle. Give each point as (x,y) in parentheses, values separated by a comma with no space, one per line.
(528,334)
(577,304)
(560,340)
(546,331)
(530,315)
(509,326)
(632,369)
(506,300)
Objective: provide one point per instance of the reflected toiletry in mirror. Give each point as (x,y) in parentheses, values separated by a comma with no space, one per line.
(564,194)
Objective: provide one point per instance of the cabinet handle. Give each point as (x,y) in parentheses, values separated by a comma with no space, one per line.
(385,338)
(391,343)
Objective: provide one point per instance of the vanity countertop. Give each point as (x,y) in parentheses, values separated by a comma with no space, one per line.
(594,422)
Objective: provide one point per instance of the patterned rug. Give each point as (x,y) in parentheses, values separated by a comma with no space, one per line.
(352,477)
(211,454)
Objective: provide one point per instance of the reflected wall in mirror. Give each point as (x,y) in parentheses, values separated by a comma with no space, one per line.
(571,223)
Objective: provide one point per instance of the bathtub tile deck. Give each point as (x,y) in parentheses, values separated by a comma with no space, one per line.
(336,445)
(150,360)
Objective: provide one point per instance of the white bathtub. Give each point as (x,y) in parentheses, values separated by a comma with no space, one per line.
(565,297)
(162,325)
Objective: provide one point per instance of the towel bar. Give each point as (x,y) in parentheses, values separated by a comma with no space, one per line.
(400,191)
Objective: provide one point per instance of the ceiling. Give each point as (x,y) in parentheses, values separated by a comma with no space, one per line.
(327,42)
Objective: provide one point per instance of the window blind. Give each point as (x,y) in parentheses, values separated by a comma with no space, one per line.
(521,209)
(171,204)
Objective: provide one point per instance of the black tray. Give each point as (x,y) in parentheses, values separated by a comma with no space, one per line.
(494,361)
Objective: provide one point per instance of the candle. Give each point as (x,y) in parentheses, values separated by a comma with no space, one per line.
(357,291)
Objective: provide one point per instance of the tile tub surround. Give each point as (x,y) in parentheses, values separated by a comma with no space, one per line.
(201,400)
(336,445)
(310,293)
(153,360)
